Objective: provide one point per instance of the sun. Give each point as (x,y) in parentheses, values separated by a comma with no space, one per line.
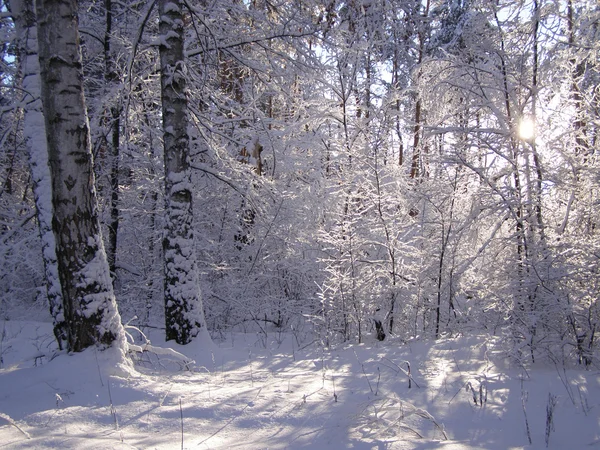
(527,129)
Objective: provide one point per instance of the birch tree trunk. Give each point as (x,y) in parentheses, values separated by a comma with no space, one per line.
(184,315)
(34,132)
(89,303)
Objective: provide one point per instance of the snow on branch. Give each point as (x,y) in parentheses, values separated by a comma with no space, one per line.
(6,418)
(147,346)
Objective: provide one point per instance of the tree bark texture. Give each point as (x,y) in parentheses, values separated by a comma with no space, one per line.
(89,303)
(34,131)
(184,315)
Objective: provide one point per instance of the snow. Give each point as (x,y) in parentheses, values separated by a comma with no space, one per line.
(170,35)
(94,276)
(172,7)
(240,393)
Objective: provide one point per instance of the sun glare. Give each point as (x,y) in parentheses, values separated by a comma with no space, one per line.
(527,129)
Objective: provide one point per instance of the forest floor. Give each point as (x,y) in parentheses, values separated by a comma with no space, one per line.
(255,392)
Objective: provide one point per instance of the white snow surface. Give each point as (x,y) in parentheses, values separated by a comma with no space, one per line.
(254,391)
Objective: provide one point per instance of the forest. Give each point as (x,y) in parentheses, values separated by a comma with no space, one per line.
(331,169)
(299,224)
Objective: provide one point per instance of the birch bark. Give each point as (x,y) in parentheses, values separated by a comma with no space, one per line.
(89,303)
(34,132)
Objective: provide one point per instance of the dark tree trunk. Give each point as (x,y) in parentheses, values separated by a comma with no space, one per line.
(184,316)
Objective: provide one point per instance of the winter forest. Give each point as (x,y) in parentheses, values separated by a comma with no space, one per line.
(331,172)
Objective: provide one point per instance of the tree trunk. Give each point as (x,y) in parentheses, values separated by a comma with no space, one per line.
(582,147)
(416,163)
(184,316)
(34,132)
(111,77)
(89,303)
(536,158)
(416,156)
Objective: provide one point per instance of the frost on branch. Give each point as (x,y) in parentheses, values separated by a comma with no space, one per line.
(146,346)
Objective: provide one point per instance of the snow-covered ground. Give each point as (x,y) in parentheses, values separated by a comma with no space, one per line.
(240,394)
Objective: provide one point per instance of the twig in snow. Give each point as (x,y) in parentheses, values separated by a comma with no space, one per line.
(407,373)
(425,414)
(468,386)
(564,380)
(390,413)
(307,345)
(162,400)
(523,401)
(552,400)
(335,397)
(2,348)
(482,393)
(98,366)
(231,420)
(364,373)
(9,420)
(584,401)
(181,416)
(113,410)
(169,353)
